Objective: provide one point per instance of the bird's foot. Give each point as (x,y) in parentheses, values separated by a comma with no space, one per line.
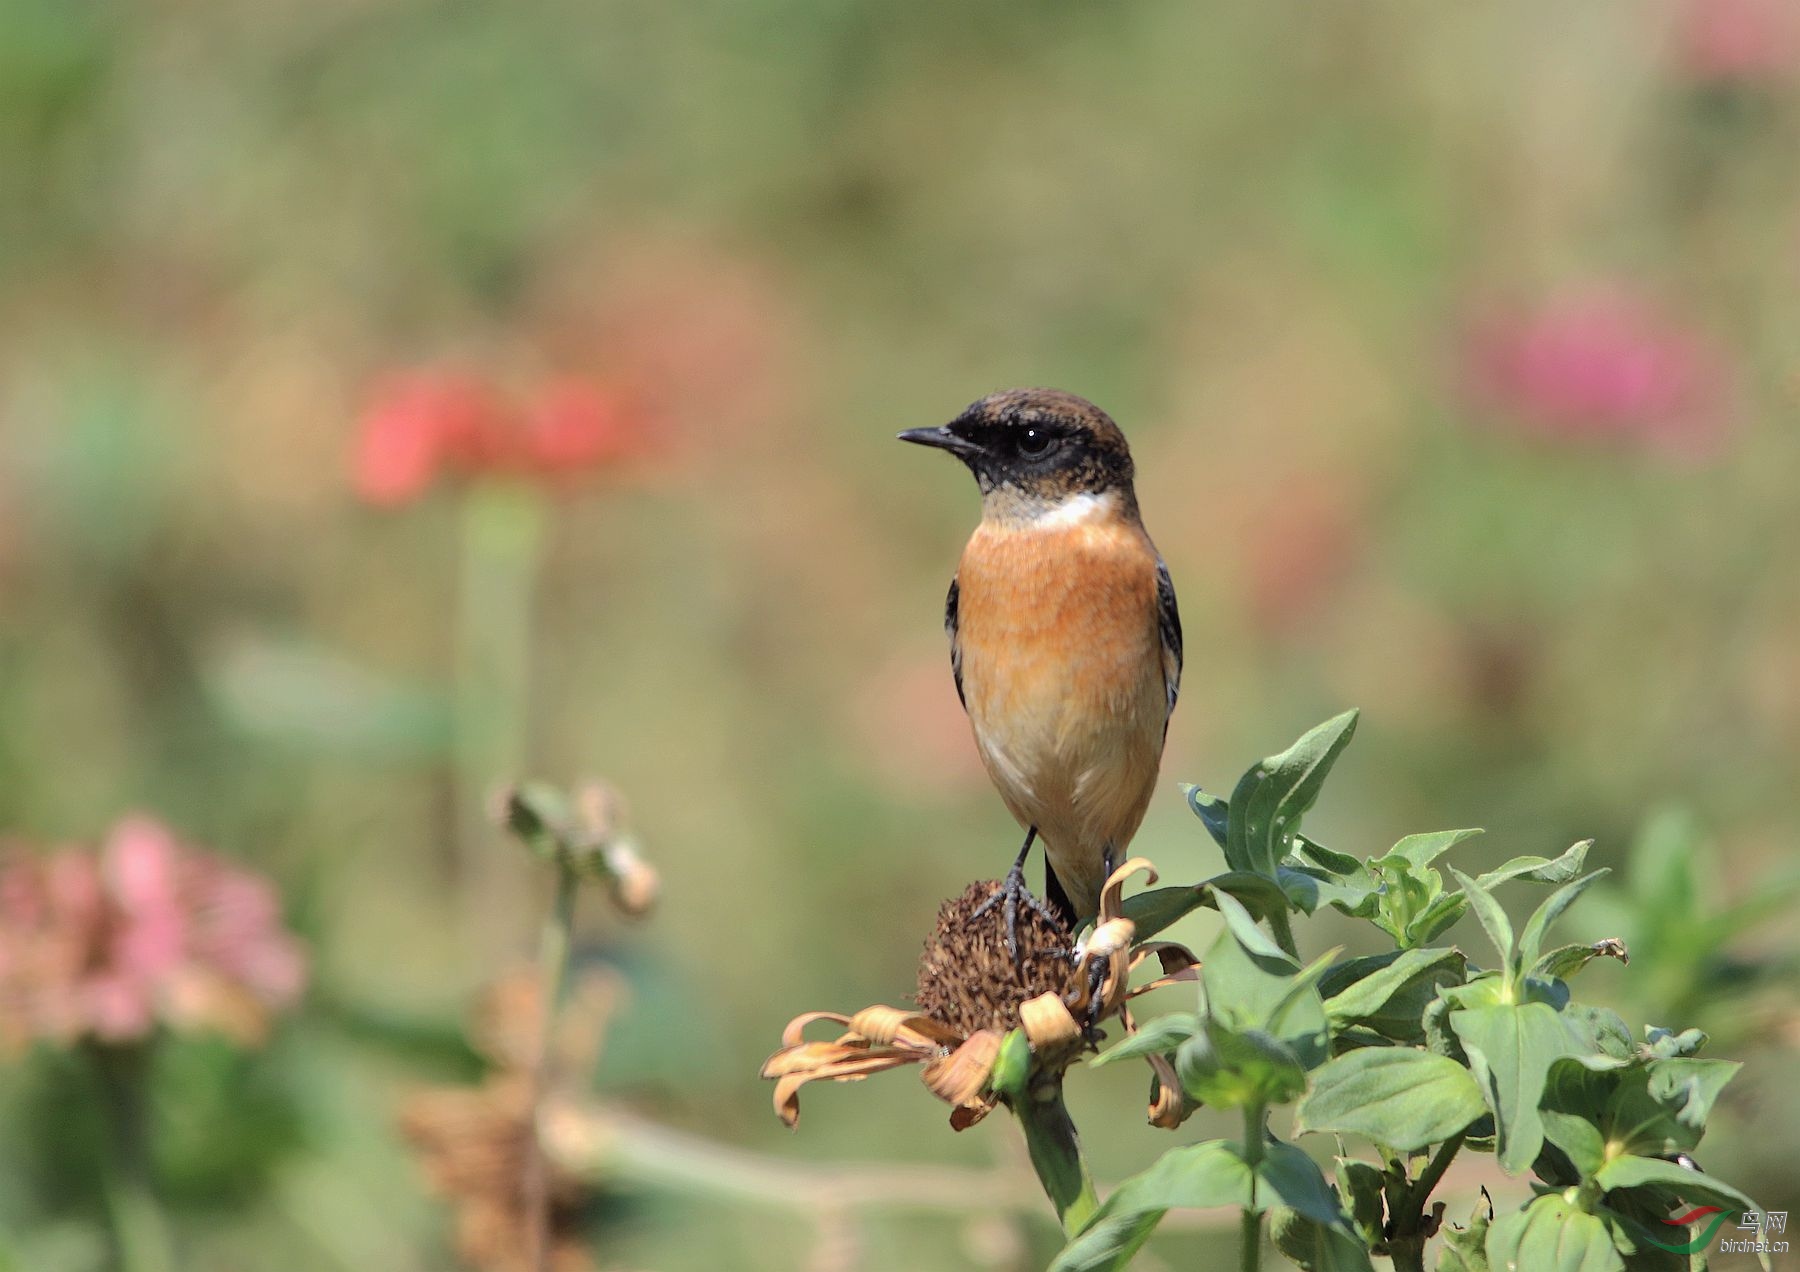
(1010,896)
(1096,981)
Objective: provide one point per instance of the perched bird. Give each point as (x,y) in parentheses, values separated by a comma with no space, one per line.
(1064,636)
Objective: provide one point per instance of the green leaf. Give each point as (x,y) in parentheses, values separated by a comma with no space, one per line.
(1238,1068)
(1270,799)
(1551,1235)
(1434,918)
(1288,1176)
(1243,928)
(1602,1031)
(1541,869)
(1579,1139)
(1337,863)
(1193,1176)
(1392,998)
(1465,1249)
(1159,908)
(1155,1037)
(1493,918)
(1395,1096)
(1419,851)
(1213,812)
(1258,894)
(1672,1180)
(1316,1247)
(1308,889)
(1360,1189)
(1663,1107)
(1241,986)
(1531,940)
(1511,1048)
(1566,960)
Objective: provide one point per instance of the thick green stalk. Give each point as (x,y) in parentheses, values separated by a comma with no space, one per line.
(1407,1246)
(1056,1154)
(502,543)
(553,968)
(139,1230)
(1251,1224)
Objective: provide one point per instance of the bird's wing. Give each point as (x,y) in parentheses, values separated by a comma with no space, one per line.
(950,629)
(1168,619)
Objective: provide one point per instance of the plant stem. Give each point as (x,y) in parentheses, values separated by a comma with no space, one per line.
(502,536)
(1407,1244)
(1251,1223)
(1408,1253)
(1429,1177)
(139,1229)
(1055,1151)
(553,968)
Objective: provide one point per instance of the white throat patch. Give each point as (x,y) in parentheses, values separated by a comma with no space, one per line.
(1076,510)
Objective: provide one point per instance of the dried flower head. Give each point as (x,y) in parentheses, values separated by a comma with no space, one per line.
(108,944)
(969,981)
(474,1143)
(971,996)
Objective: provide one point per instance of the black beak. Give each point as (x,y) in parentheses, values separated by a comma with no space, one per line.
(942,438)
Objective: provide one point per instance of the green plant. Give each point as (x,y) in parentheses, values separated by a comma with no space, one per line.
(1686,948)
(1420,1053)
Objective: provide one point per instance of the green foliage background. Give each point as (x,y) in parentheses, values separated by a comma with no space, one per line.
(1252,231)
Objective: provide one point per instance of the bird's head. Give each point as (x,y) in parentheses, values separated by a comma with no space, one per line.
(1038,453)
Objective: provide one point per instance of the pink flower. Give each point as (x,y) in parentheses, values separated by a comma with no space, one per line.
(108,944)
(423,426)
(1737,41)
(1603,366)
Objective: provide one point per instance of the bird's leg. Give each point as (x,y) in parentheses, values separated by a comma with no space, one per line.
(1013,893)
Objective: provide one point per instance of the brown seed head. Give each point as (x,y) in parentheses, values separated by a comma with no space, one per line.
(968,981)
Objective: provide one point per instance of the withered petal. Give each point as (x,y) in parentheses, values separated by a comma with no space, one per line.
(1047,1022)
(797,1026)
(1174,956)
(810,1055)
(892,1026)
(962,1076)
(1112,894)
(963,1116)
(787,1086)
(1169,1107)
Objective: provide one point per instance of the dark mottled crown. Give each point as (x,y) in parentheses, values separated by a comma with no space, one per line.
(1084,449)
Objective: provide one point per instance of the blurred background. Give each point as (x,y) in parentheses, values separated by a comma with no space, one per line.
(399,397)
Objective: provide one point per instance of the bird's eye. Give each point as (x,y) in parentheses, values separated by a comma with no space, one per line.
(1035,441)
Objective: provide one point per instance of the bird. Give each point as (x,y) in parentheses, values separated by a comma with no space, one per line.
(1065,637)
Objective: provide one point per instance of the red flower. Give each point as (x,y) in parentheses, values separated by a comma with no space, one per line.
(425,425)
(577,425)
(421,424)
(1603,366)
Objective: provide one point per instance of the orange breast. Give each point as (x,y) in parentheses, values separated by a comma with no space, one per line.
(1062,674)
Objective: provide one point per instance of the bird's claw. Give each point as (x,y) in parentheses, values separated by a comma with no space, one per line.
(1096,981)
(1010,896)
